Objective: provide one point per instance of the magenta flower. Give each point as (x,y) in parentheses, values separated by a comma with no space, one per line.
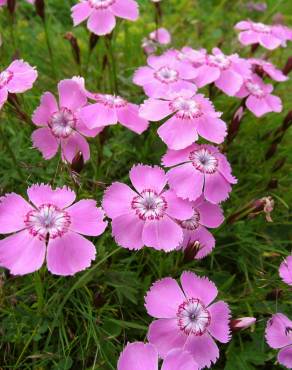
(279,336)
(18,77)
(186,318)
(226,71)
(49,219)
(60,126)
(165,74)
(259,99)
(285,270)
(262,66)
(161,36)
(144,356)
(111,109)
(192,115)
(270,37)
(200,169)
(146,216)
(205,215)
(101,14)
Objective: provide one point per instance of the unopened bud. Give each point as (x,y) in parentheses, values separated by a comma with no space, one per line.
(242,323)
(288,66)
(40,8)
(191,251)
(279,164)
(93,39)
(77,163)
(235,123)
(74,46)
(98,300)
(11,6)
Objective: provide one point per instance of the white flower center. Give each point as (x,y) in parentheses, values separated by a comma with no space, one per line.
(254,89)
(101,4)
(47,220)
(220,61)
(193,223)
(260,27)
(5,77)
(149,205)
(186,108)
(166,75)
(193,317)
(204,161)
(112,101)
(62,123)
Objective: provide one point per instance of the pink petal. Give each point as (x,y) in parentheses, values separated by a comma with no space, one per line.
(285,357)
(275,103)
(156,89)
(86,218)
(258,106)
(155,109)
(40,194)
(127,230)
(164,298)
(74,144)
(138,356)
(198,287)
(225,168)
(212,129)
(98,115)
(117,200)
(48,106)
(80,12)
(211,215)
(128,116)
(205,239)
(165,335)
(24,77)
(101,22)
(206,75)
(276,333)
(229,82)
(148,177)
(178,133)
(285,270)
(142,76)
(217,189)
(220,317)
(127,9)
(178,360)
(13,209)
(163,234)
(186,181)
(242,25)
(71,95)
(204,350)
(45,142)
(174,157)
(3,96)
(22,253)
(270,42)
(248,37)
(186,71)
(177,208)
(87,132)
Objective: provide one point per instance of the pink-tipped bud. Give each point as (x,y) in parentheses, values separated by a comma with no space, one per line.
(242,323)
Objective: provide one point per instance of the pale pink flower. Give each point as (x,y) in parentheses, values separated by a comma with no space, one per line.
(144,356)
(270,37)
(49,227)
(259,99)
(205,215)
(285,270)
(165,74)
(101,14)
(279,336)
(227,71)
(261,66)
(195,57)
(60,125)
(18,77)
(147,215)
(161,36)
(192,115)
(187,319)
(111,109)
(197,170)
(149,47)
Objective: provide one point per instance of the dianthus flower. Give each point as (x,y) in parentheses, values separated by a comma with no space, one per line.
(199,169)
(187,319)
(146,216)
(192,115)
(49,227)
(285,270)
(263,67)
(161,36)
(279,336)
(101,14)
(18,77)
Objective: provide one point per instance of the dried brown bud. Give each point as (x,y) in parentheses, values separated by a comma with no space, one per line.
(279,164)
(11,4)
(74,46)
(40,8)
(98,300)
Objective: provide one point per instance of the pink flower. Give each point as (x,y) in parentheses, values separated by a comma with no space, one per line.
(259,99)
(285,270)
(186,318)
(192,115)
(205,214)
(199,169)
(17,78)
(270,37)
(227,71)
(111,109)
(161,36)
(146,216)
(149,47)
(61,125)
(262,66)
(165,74)
(49,219)
(279,335)
(195,57)
(145,356)
(101,14)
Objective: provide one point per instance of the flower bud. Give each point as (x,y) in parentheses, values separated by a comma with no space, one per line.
(74,46)
(288,66)
(40,8)
(11,6)
(242,323)
(77,163)
(191,250)
(93,39)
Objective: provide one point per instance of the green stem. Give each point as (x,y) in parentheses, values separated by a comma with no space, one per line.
(39,291)
(50,50)
(110,49)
